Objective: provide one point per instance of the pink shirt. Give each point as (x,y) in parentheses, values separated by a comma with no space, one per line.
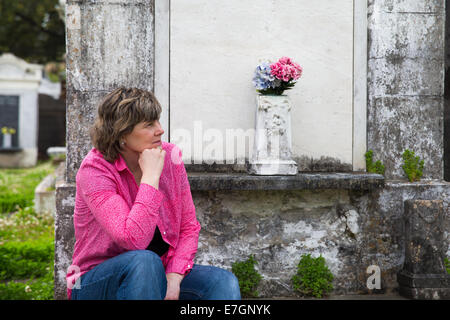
(113,214)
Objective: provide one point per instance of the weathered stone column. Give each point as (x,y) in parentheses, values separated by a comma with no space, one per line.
(424,275)
(406,56)
(109,43)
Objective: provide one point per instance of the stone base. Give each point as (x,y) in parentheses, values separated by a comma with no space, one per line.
(64,235)
(425,293)
(274,167)
(424,286)
(44,194)
(18,158)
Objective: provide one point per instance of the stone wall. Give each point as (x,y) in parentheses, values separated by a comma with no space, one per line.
(351,229)
(405,83)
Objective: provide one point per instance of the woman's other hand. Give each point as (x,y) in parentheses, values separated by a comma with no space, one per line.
(173,286)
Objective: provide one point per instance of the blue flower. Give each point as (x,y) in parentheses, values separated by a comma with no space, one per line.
(263,78)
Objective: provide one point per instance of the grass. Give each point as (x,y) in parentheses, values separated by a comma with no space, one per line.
(26,237)
(17,185)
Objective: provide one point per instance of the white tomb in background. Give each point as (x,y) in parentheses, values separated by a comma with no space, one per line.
(19,89)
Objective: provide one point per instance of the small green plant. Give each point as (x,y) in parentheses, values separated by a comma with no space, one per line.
(313,278)
(248,277)
(376,167)
(447,264)
(412,165)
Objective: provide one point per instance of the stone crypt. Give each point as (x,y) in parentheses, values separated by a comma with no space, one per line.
(385,90)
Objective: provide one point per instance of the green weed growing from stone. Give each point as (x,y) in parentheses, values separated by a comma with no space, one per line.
(248,277)
(447,264)
(313,278)
(372,167)
(412,165)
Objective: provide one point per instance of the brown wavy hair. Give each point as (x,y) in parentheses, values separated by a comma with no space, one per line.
(119,112)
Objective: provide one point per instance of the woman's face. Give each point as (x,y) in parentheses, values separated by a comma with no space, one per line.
(144,136)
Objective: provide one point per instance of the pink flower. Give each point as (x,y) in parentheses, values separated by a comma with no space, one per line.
(279,71)
(285,60)
(296,70)
(286,70)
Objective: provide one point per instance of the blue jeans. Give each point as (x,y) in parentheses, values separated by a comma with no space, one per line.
(140,275)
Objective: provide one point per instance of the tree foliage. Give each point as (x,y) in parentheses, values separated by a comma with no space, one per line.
(32,30)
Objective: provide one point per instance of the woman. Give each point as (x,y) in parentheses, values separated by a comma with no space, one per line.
(135,225)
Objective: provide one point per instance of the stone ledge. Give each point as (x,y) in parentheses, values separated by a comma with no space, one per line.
(413,280)
(202,181)
(422,183)
(11,150)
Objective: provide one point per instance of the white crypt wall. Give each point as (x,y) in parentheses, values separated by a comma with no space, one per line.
(214,47)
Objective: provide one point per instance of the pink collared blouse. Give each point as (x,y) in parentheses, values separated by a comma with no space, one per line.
(113,214)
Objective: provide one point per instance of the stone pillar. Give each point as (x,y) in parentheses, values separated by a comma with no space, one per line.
(447,94)
(406,56)
(110,43)
(424,275)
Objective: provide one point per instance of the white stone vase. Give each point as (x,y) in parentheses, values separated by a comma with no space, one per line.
(273,140)
(7,140)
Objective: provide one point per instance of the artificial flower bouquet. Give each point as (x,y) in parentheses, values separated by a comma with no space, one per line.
(275,78)
(6,130)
